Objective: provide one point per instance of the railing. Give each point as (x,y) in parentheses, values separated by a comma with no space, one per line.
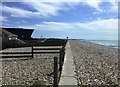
(29,54)
(58,62)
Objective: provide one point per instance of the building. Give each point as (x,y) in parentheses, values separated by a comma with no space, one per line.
(5,37)
(23,34)
(10,37)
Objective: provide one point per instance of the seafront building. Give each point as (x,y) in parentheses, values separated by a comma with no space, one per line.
(23,34)
(8,35)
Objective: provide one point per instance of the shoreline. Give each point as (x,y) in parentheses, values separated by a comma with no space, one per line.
(92,42)
(95,64)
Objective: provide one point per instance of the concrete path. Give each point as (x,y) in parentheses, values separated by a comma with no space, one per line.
(68,74)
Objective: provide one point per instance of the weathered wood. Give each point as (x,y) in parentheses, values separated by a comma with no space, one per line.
(55,72)
(46,48)
(15,53)
(60,60)
(32,54)
(15,56)
(61,57)
(63,53)
(45,52)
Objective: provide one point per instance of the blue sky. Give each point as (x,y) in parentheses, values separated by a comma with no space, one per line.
(91,19)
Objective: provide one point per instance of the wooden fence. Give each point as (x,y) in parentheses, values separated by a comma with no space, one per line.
(58,62)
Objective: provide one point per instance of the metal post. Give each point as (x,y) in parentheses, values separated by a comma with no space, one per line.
(55,72)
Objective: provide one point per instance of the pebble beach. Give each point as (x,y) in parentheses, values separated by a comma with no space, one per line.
(95,64)
(27,71)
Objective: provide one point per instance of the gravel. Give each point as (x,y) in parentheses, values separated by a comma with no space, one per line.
(27,71)
(95,64)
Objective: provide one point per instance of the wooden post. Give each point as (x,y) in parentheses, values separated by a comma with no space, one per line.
(55,72)
(63,53)
(60,60)
(32,52)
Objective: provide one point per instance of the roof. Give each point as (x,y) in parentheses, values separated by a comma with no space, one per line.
(23,34)
(6,32)
(18,29)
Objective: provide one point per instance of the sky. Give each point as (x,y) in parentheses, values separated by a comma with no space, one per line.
(76,19)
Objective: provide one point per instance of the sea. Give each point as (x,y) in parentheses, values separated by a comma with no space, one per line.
(111,43)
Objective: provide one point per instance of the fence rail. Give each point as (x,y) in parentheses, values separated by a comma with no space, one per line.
(58,62)
(46,48)
(15,53)
(15,56)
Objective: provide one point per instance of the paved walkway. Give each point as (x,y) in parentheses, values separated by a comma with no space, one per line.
(68,74)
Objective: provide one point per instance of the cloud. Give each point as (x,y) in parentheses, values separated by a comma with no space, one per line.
(114,7)
(22,22)
(50,8)
(45,9)
(99,29)
(42,9)
(16,12)
(94,4)
(101,25)
(57,26)
(3,18)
